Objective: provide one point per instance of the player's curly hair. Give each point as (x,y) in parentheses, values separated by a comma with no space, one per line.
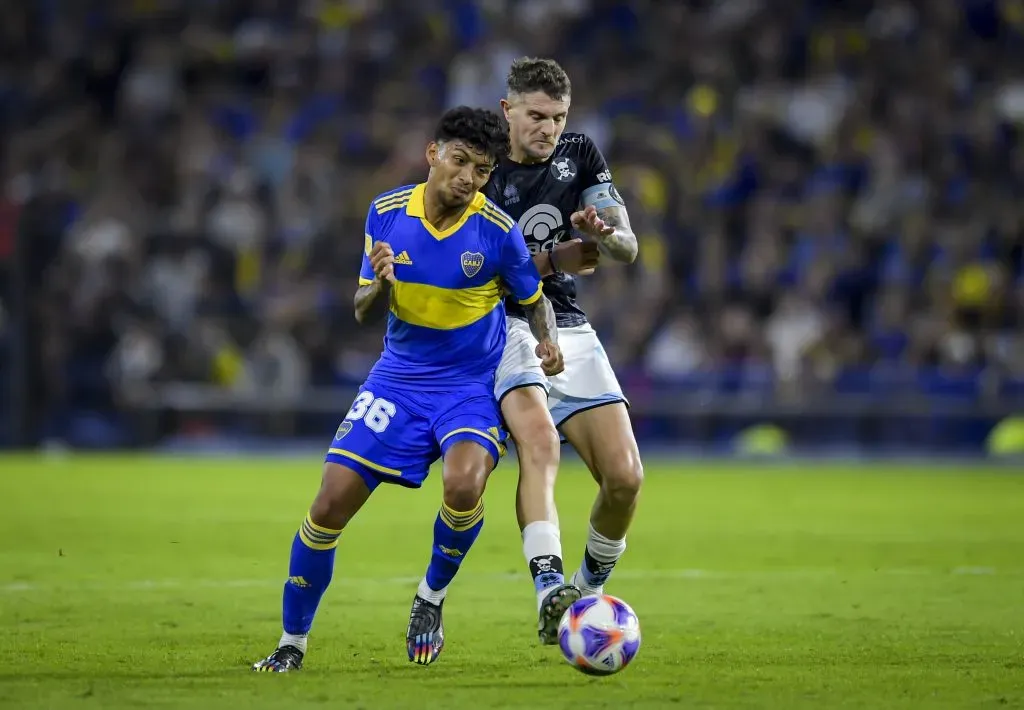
(529,74)
(476,127)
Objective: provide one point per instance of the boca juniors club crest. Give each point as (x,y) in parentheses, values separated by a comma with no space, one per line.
(344,428)
(472,262)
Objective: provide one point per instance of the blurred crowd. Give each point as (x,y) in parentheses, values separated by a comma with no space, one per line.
(817,187)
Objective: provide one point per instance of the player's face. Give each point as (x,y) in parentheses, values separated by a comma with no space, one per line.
(535,122)
(457,172)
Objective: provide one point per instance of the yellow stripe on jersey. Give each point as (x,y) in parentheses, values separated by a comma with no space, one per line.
(367,248)
(393,199)
(416,208)
(500,218)
(443,308)
(489,205)
(393,206)
(535,297)
(496,219)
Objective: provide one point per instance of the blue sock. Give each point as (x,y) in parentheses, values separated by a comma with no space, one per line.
(454,534)
(309,573)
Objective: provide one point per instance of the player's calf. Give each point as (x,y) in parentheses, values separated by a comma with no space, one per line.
(342,493)
(604,439)
(620,479)
(620,484)
(457,526)
(538,448)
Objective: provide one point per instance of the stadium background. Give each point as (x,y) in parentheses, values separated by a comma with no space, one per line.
(827,198)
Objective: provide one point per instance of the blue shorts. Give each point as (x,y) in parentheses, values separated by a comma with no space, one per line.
(393,433)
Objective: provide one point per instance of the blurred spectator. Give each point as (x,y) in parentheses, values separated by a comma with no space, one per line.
(816,187)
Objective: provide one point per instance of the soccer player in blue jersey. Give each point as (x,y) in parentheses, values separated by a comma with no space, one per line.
(443,255)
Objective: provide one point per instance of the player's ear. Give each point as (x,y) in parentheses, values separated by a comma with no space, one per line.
(505,106)
(432,154)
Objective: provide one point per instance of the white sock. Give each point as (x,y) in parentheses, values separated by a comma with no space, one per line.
(434,596)
(296,640)
(542,548)
(599,559)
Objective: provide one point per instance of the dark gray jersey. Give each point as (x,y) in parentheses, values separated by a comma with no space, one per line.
(541,197)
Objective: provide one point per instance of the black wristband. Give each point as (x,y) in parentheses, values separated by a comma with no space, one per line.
(551,260)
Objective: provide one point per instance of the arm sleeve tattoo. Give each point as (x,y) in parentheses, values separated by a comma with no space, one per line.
(542,320)
(621,244)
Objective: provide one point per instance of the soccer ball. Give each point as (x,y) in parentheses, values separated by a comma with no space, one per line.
(599,635)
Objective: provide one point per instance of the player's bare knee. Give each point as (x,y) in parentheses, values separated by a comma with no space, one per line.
(465,476)
(537,445)
(342,492)
(464,490)
(325,509)
(621,479)
(464,483)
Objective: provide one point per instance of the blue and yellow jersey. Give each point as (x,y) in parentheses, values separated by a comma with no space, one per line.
(447,322)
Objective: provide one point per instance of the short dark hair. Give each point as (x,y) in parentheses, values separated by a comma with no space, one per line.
(478,128)
(529,74)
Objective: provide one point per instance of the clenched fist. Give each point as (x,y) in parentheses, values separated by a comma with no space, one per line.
(550,358)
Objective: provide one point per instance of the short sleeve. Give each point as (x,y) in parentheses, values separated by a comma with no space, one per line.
(366,275)
(598,189)
(518,271)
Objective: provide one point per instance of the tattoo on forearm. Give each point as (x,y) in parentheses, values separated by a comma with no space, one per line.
(368,302)
(621,244)
(542,320)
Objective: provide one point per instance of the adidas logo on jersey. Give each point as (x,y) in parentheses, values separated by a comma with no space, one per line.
(511,195)
(403,258)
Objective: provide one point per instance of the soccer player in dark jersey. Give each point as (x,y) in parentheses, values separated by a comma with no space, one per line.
(440,253)
(552,183)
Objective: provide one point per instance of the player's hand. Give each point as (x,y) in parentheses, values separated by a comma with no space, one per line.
(575,257)
(587,222)
(550,358)
(382,259)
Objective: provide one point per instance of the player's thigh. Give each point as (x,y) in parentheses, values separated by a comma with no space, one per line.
(519,366)
(527,418)
(603,437)
(590,410)
(384,438)
(588,379)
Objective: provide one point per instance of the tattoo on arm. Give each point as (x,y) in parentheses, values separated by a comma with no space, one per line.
(369,304)
(542,320)
(621,244)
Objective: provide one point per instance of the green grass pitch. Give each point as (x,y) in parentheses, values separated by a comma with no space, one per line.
(135,581)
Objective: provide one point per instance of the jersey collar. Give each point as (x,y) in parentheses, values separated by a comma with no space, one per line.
(416,208)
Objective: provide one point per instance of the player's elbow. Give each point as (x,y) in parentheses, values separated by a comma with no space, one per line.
(630,249)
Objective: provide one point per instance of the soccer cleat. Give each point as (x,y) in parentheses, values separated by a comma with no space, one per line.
(425,637)
(285,658)
(552,608)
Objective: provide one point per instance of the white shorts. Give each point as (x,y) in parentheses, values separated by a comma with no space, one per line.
(588,380)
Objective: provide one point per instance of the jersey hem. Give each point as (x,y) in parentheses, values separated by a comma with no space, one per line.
(562,320)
